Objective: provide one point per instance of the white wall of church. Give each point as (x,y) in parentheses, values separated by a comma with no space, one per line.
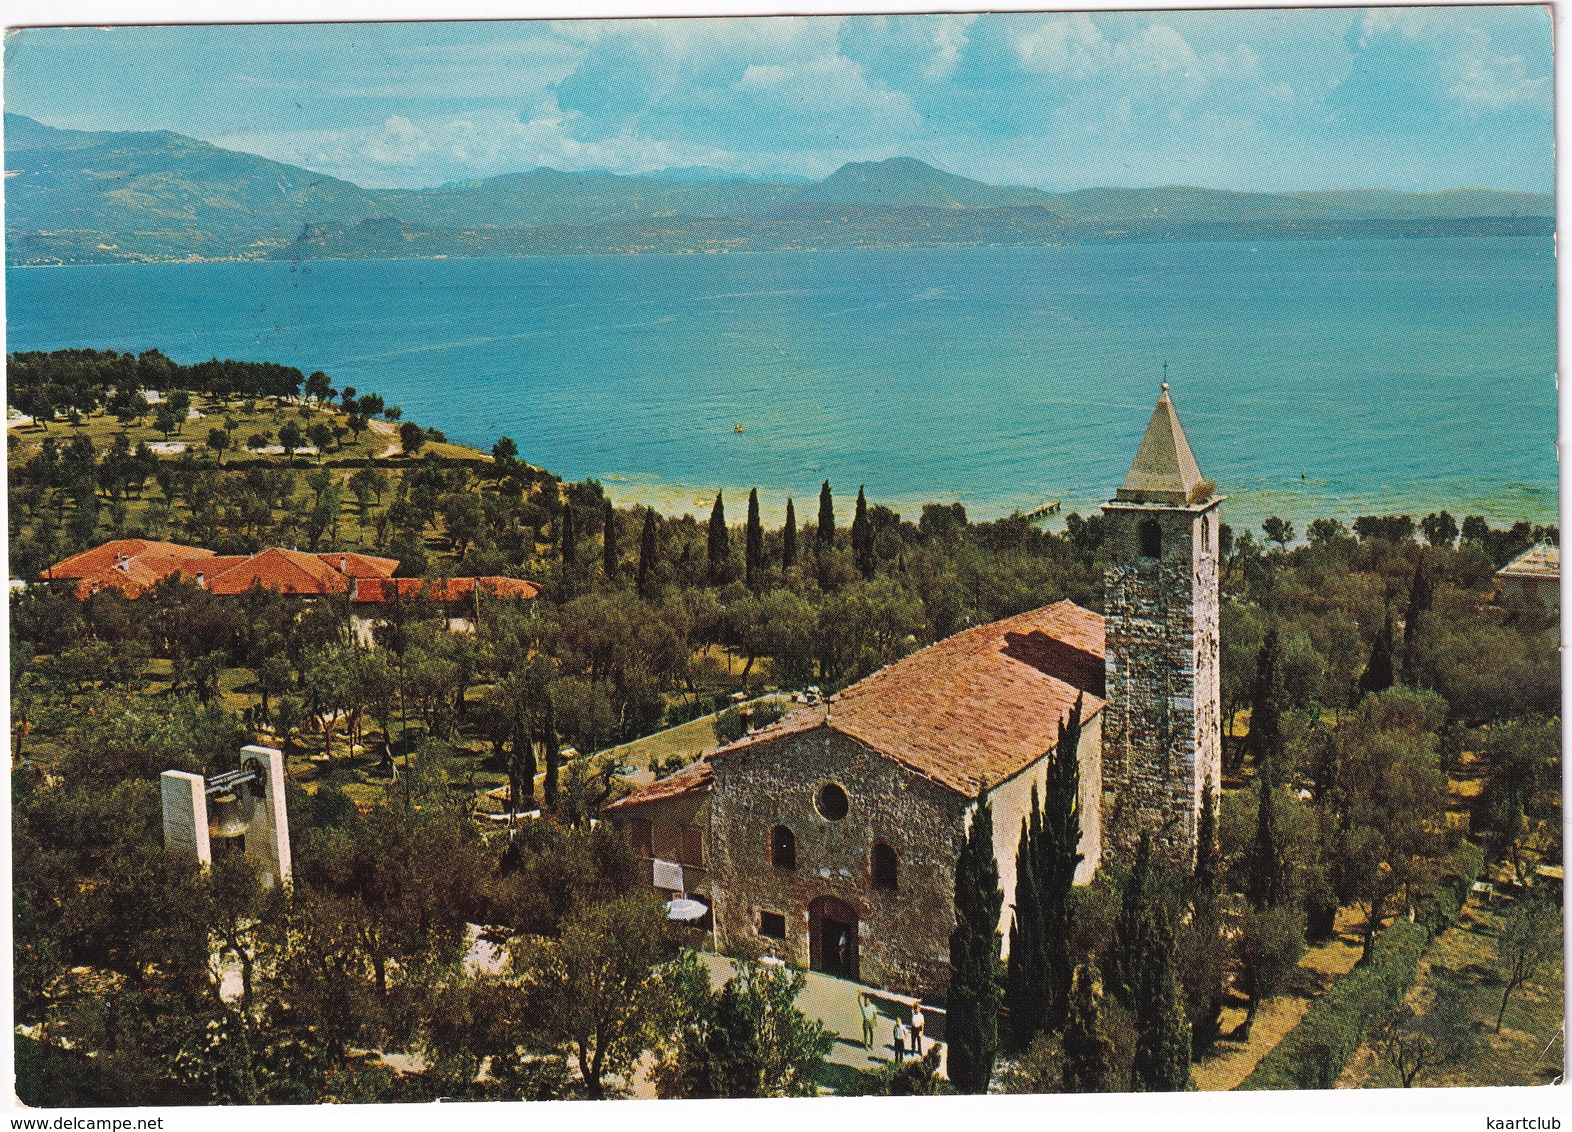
(1012,802)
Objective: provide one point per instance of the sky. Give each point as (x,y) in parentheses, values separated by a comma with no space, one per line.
(1263,100)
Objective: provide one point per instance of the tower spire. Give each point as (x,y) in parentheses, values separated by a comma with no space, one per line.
(1164,469)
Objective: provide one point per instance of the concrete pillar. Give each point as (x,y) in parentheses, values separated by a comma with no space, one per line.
(268,838)
(185,814)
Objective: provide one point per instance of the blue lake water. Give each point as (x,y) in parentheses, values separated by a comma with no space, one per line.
(1316,377)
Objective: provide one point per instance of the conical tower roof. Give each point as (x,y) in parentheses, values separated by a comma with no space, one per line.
(1164,470)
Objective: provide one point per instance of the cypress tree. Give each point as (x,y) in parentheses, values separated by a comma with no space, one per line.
(1026,975)
(1266,705)
(553,754)
(1378,675)
(972,1024)
(826,532)
(720,544)
(862,536)
(1088,1051)
(1266,872)
(1420,596)
(754,562)
(1061,857)
(1132,943)
(570,536)
(609,542)
(1202,941)
(1162,1044)
(789,537)
(646,580)
(1208,853)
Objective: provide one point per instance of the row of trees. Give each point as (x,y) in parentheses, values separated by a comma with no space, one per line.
(81,381)
(1085,1007)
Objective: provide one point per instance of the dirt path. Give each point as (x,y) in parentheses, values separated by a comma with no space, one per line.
(385,428)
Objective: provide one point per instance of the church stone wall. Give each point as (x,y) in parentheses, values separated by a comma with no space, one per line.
(1162,736)
(904,935)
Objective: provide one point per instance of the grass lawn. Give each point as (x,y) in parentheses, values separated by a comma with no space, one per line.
(1462,964)
(1228,1062)
(689,740)
(380,440)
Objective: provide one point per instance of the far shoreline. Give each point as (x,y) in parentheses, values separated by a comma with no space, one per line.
(1242,510)
(1249,238)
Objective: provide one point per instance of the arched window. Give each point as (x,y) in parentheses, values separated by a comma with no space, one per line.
(1206,532)
(886,867)
(783,848)
(1151,539)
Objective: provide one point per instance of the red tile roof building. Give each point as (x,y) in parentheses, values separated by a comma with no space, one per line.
(134,566)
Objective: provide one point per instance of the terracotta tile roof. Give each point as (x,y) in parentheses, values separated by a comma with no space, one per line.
(131,565)
(208,568)
(287,571)
(134,566)
(695,778)
(375,591)
(981,705)
(356,565)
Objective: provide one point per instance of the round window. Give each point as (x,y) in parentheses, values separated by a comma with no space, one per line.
(832,801)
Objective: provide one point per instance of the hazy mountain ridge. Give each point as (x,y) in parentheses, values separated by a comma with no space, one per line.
(84,197)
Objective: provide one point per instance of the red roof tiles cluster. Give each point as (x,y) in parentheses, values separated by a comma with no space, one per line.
(695,778)
(380,590)
(980,706)
(136,565)
(128,564)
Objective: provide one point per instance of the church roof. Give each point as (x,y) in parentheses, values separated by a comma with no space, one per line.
(980,706)
(1164,469)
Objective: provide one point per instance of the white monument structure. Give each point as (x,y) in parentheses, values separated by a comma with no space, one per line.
(236,813)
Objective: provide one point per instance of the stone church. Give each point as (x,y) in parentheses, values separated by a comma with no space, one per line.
(830,837)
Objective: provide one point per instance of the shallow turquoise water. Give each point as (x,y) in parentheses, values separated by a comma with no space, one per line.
(1317,377)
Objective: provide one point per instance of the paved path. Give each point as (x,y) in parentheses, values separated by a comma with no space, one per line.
(833,1002)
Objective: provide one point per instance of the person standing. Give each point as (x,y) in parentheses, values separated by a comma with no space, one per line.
(917,1025)
(870,1015)
(898,1040)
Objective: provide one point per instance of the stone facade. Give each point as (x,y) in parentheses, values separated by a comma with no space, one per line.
(1162,731)
(903,933)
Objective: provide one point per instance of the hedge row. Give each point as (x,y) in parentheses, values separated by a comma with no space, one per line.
(1313,1053)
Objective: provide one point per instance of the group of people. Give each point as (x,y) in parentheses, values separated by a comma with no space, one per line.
(904,1038)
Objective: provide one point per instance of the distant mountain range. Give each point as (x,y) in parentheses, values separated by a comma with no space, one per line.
(80,197)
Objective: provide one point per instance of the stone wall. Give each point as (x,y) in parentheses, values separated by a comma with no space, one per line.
(904,935)
(668,818)
(1162,729)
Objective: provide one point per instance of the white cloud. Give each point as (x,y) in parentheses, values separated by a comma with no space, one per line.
(1487,79)
(1069,45)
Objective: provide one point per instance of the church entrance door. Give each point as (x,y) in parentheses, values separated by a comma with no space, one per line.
(832,937)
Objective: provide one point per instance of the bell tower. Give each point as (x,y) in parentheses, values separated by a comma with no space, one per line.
(1162,738)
